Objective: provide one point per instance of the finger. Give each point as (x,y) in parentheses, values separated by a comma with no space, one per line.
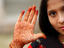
(27,14)
(35,17)
(31,14)
(20,17)
(39,35)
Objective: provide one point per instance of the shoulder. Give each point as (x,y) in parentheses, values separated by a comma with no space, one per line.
(50,42)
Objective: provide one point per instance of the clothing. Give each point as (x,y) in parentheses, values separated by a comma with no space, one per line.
(50,42)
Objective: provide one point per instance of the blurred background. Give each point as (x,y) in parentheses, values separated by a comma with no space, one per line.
(9,12)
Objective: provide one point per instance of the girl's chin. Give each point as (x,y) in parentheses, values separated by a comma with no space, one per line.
(62,33)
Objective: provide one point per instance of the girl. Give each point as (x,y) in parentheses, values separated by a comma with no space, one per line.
(51,22)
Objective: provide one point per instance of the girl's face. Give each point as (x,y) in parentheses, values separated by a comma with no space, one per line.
(55,12)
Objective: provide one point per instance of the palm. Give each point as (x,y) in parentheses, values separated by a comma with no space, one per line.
(24,29)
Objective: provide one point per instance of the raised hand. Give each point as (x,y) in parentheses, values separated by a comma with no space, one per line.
(23,31)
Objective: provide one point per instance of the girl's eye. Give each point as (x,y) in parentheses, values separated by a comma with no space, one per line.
(52,13)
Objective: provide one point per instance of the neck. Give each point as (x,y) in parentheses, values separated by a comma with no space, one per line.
(61,38)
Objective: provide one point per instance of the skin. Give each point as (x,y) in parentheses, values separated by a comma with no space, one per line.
(55,11)
(23,31)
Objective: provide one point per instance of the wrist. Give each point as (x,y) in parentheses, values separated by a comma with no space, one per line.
(15,44)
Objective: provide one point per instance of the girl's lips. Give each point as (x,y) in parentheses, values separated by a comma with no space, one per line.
(62,27)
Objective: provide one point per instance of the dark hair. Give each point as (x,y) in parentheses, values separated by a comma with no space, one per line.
(44,23)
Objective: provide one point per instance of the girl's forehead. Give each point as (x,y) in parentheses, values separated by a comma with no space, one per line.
(54,1)
(55,4)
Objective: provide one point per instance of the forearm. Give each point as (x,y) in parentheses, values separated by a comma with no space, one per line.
(15,44)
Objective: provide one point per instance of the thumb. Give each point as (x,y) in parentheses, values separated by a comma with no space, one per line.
(39,35)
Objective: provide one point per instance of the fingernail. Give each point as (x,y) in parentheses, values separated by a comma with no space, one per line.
(44,36)
(34,7)
(23,11)
(30,9)
(36,12)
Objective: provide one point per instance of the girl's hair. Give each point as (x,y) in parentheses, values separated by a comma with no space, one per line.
(44,23)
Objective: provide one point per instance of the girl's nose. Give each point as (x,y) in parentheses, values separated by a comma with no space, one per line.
(61,18)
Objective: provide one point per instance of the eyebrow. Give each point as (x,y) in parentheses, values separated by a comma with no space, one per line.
(62,0)
(62,8)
